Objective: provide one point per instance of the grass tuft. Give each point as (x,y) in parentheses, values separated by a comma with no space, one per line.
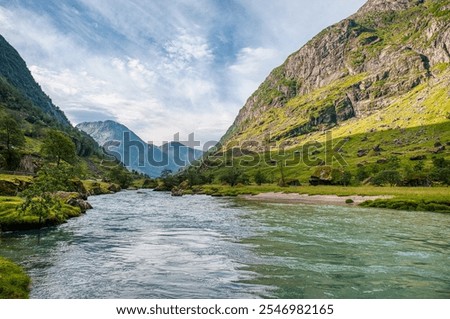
(14,282)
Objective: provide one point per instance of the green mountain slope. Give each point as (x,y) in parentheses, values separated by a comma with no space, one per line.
(14,69)
(371,89)
(22,99)
(359,67)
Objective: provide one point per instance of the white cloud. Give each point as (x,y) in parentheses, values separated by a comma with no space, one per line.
(188,47)
(160,67)
(250,60)
(251,66)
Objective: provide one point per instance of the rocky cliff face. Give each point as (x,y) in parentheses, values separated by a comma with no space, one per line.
(377,6)
(350,70)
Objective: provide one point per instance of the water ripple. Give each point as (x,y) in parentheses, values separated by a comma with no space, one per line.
(151,245)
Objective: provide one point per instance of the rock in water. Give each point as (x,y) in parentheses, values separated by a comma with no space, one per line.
(177,191)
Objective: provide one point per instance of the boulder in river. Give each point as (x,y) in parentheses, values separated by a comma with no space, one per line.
(176,191)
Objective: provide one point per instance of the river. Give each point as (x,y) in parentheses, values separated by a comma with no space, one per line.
(144,244)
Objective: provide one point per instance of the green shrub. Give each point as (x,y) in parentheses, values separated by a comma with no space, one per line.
(234,176)
(260,177)
(391,177)
(410,205)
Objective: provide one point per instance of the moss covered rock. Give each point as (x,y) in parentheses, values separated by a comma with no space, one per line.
(8,188)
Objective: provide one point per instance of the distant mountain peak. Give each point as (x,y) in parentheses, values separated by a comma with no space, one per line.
(172,153)
(101,123)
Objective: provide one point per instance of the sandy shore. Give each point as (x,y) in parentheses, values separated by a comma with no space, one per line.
(311,199)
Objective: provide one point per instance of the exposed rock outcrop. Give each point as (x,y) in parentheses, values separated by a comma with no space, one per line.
(377,6)
(8,188)
(74,199)
(12,188)
(177,192)
(350,70)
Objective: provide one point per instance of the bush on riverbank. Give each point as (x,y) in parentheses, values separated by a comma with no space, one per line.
(14,282)
(49,183)
(410,205)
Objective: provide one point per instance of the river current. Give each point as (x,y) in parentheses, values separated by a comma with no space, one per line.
(144,244)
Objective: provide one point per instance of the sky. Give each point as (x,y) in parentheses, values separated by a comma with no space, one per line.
(161,67)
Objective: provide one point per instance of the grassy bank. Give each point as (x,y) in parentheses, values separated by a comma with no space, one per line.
(99,188)
(11,218)
(15,178)
(14,282)
(435,199)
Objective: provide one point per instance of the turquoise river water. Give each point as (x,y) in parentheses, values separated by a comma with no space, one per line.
(144,244)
